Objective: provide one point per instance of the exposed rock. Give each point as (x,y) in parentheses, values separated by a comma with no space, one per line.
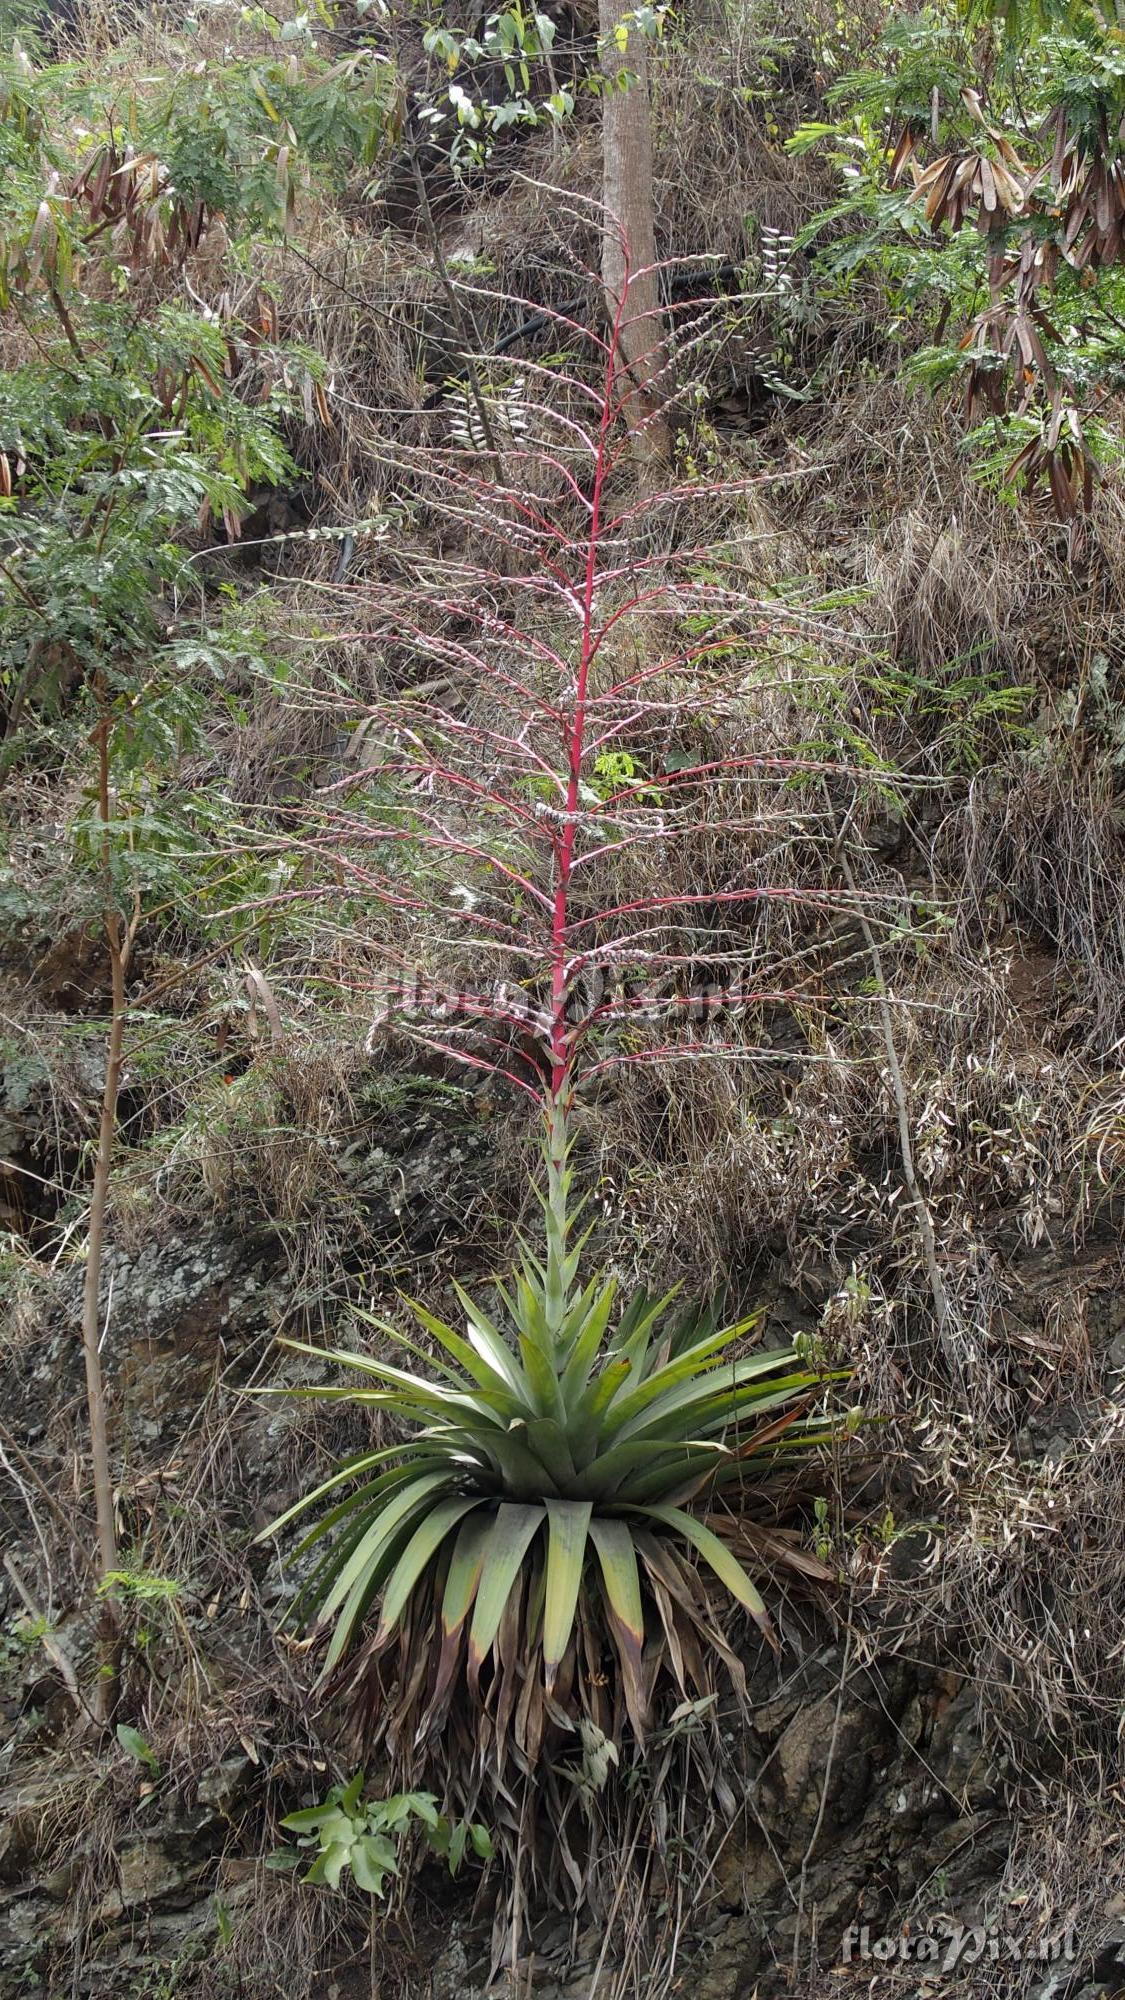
(148,1875)
(225,1782)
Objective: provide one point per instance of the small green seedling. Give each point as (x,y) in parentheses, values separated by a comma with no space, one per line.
(134,1743)
(349,1831)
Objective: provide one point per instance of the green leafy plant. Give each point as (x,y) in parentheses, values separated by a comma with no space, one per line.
(511,42)
(515,45)
(133,414)
(995,212)
(541,1509)
(350,1832)
(143,1586)
(136,1746)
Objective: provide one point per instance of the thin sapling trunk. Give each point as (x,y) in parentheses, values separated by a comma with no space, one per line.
(119,943)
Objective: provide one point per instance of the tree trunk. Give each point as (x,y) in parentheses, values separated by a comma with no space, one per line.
(629,241)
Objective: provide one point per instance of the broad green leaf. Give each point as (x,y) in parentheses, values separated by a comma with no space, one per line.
(542,1380)
(131,1740)
(373,1858)
(718,1557)
(688,1469)
(443,1400)
(415,1391)
(713,1458)
(622,1584)
(576,1317)
(623,1472)
(465,1567)
(423,1806)
(720,1393)
(636,1326)
(318,1583)
(386,1520)
(356,1504)
(511,1536)
(591,1412)
(549,1441)
(364,1590)
(691,1368)
(352,1792)
(332,1863)
(567,1524)
(313,1819)
(618,1560)
(402,1340)
(486,1337)
(576,1374)
(427,1538)
(493,1368)
(368,1564)
(522,1475)
(351,1469)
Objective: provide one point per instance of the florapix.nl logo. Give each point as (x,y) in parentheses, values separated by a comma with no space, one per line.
(948,1946)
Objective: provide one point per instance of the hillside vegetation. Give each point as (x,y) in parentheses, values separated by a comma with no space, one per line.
(562,947)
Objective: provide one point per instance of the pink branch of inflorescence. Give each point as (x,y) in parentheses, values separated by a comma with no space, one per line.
(569,765)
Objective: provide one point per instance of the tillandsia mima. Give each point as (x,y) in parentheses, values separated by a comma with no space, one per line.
(551,1541)
(556,1460)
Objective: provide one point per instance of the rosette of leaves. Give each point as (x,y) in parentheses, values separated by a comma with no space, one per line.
(545,1537)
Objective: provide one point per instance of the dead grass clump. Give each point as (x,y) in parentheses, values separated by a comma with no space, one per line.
(722,177)
(897,509)
(948,595)
(1044,847)
(279,1940)
(1067,1870)
(708,1161)
(1027,1575)
(266,1134)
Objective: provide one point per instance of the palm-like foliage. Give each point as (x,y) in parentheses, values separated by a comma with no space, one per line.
(541,1503)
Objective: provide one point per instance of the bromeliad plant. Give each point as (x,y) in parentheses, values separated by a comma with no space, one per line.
(573,774)
(540,1501)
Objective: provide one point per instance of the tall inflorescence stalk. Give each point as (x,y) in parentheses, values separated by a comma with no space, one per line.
(564,840)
